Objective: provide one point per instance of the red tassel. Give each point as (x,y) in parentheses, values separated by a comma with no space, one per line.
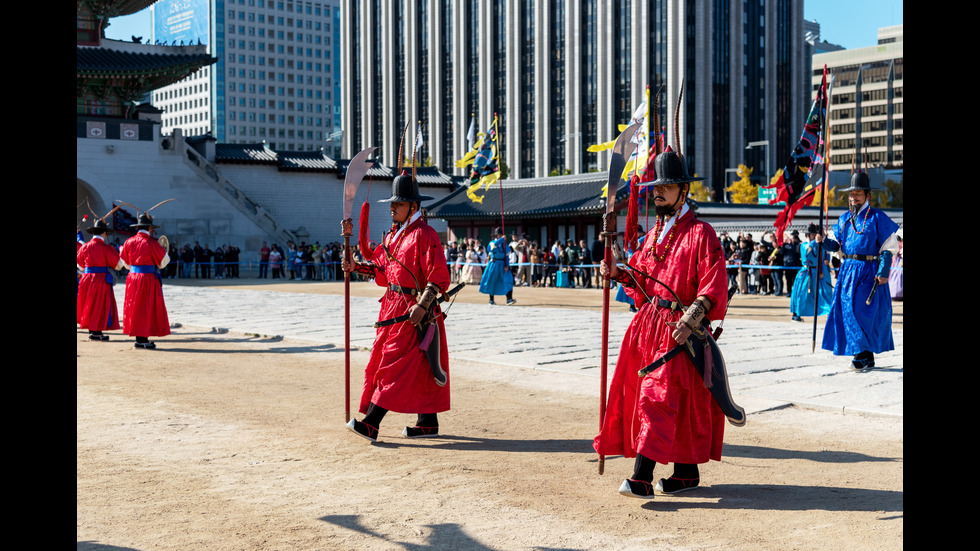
(364,232)
(630,236)
(424,345)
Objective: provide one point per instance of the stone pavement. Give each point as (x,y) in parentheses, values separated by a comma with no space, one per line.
(770,364)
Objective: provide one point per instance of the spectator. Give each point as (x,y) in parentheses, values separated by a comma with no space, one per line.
(275,261)
(598,252)
(536,260)
(232,257)
(585,268)
(219,263)
(264,260)
(198,259)
(776,276)
(792,260)
(186,261)
(206,257)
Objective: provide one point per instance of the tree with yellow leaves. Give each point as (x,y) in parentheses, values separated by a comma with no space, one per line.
(742,190)
(699,193)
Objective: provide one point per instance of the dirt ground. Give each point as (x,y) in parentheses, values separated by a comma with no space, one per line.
(232,442)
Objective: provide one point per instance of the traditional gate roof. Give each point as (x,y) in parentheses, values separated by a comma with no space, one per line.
(578,195)
(316,161)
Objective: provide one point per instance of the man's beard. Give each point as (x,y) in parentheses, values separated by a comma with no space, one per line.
(854,208)
(664,210)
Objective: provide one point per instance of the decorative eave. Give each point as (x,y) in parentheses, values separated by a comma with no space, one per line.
(115,8)
(157,65)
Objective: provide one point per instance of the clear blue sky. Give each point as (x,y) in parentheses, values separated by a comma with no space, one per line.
(855,23)
(851,24)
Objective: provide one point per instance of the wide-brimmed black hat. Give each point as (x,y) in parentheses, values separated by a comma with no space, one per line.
(860,182)
(99,227)
(670,168)
(144,221)
(812,229)
(405,188)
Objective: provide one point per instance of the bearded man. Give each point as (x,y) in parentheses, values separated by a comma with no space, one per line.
(667,416)
(855,327)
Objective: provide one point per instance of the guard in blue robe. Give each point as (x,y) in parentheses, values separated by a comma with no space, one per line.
(804,295)
(855,328)
(497,279)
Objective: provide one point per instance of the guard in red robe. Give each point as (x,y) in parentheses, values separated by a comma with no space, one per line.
(400,376)
(668,416)
(96,303)
(144,311)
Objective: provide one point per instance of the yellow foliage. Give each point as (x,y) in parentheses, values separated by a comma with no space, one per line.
(699,193)
(742,190)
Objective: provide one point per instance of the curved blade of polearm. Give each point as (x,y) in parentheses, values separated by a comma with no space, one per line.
(622,151)
(356,170)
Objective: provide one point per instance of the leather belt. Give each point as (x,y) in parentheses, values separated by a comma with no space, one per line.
(405,290)
(670,304)
(865,257)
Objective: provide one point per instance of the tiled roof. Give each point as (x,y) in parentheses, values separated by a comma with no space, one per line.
(539,197)
(105,61)
(245,153)
(316,161)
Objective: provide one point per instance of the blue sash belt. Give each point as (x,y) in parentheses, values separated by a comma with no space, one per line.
(146,269)
(100,270)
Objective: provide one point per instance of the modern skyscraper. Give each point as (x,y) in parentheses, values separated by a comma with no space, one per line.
(276,79)
(562,75)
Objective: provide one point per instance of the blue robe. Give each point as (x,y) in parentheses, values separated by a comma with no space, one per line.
(804,292)
(852,325)
(497,279)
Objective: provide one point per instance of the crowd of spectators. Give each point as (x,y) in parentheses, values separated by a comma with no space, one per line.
(756,267)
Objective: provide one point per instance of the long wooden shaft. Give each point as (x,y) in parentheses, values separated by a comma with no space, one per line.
(347,332)
(603,361)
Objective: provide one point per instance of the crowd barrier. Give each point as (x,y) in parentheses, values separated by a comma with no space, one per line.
(253,267)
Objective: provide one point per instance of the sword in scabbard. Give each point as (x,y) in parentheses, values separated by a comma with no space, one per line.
(356,170)
(404,317)
(708,361)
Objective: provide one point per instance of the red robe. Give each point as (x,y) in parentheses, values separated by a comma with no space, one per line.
(95,307)
(397,376)
(669,416)
(144,312)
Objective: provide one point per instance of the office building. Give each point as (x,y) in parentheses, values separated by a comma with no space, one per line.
(866,103)
(276,79)
(562,75)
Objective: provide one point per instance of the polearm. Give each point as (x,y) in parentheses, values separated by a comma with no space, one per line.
(621,151)
(356,170)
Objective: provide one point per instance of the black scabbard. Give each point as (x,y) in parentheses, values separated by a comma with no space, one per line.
(404,317)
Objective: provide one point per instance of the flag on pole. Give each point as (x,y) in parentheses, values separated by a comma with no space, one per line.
(803,174)
(418,141)
(486,166)
(474,140)
(638,157)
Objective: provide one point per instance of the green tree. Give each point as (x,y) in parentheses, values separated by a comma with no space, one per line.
(892,196)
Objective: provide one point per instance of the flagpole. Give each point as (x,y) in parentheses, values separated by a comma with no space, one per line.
(496,137)
(825,128)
